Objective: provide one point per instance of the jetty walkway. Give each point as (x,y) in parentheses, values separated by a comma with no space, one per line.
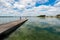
(7,29)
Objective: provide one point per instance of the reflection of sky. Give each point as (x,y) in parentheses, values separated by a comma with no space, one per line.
(49,24)
(4,20)
(52,21)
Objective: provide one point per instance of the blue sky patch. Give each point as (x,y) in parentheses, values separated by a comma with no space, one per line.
(50,2)
(17,0)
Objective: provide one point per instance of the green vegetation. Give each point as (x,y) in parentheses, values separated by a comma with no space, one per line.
(58,16)
(42,16)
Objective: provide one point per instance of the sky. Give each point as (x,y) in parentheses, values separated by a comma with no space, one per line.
(29,7)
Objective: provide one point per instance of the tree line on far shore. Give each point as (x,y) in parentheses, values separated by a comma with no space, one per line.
(58,16)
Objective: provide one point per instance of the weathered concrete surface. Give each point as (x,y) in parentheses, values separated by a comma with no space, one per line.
(8,28)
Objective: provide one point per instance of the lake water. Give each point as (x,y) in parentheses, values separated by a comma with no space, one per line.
(7,19)
(4,20)
(36,28)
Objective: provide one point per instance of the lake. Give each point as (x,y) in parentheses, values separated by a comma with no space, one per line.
(36,28)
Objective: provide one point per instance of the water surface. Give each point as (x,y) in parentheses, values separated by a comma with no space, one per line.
(6,19)
(38,28)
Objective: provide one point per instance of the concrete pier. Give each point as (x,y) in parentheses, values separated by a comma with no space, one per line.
(7,29)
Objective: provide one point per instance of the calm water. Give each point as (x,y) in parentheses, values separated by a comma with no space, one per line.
(4,20)
(36,28)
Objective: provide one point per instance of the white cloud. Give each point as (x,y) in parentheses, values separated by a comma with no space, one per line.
(57,4)
(42,1)
(19,6)
(57,1)
(6,8)
(42,10)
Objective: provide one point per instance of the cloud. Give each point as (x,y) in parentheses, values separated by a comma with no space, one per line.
(42,1)
(57,4)
(27,8)
(42,10)
(7,7)
(19,6)
(57,1)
